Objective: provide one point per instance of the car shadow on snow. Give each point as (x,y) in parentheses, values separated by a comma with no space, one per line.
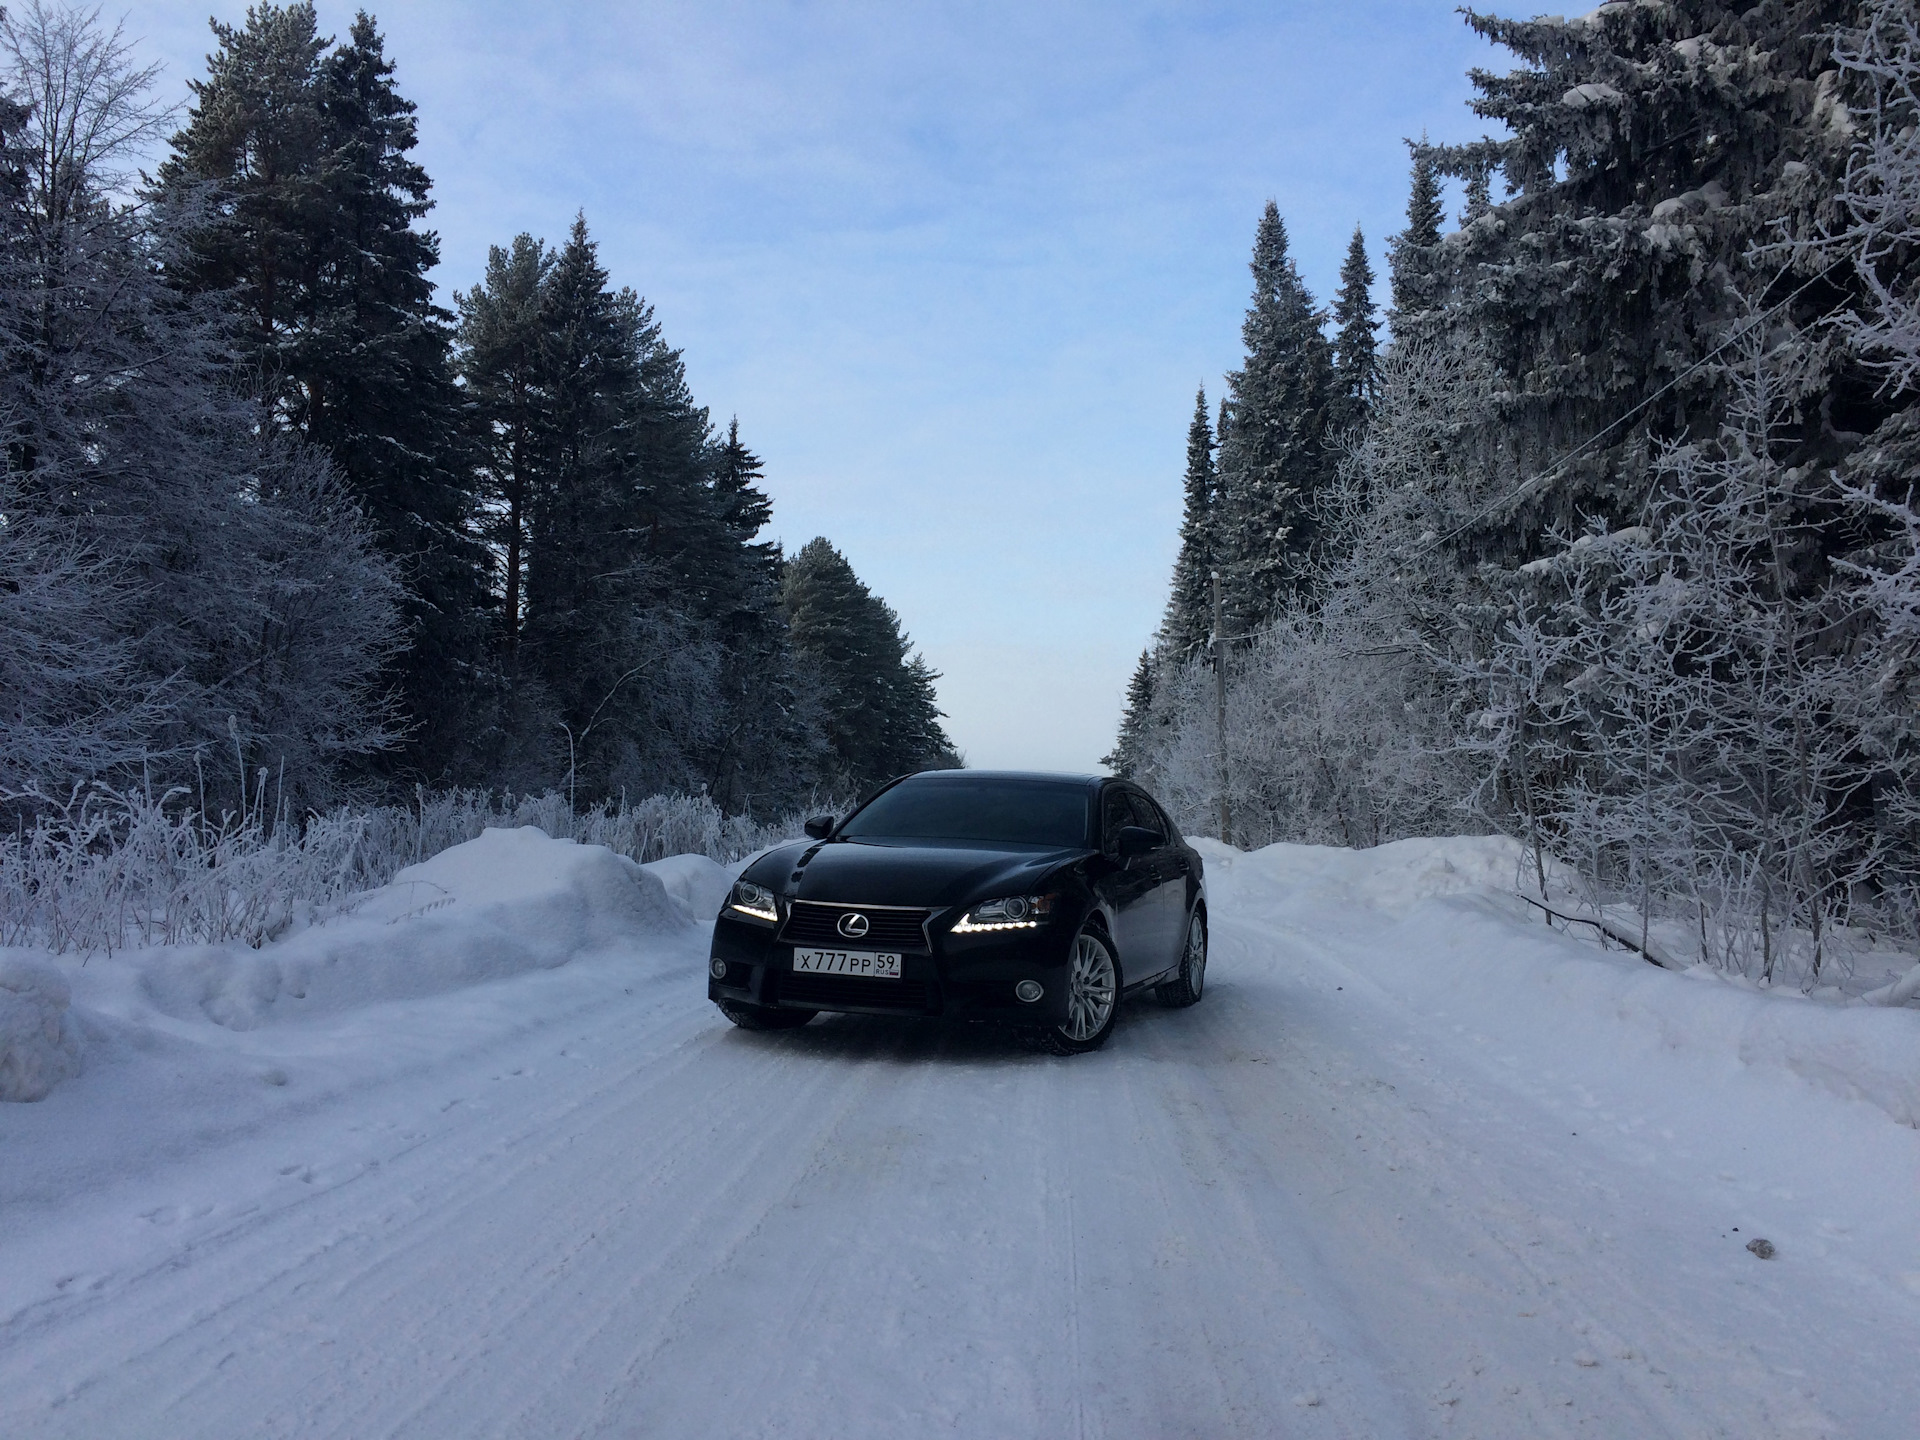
(924,1040)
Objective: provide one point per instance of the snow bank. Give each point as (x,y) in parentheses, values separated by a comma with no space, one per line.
(700,884)
(507,902)
(1451,944)
(38,1048)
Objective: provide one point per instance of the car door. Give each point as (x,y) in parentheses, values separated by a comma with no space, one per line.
(1164,872)
(1129,889)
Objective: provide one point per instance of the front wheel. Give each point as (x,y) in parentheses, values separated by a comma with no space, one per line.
(1093,999)
(1185,988)
(763,1017)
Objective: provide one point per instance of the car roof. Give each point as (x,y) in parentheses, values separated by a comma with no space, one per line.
(1049,776)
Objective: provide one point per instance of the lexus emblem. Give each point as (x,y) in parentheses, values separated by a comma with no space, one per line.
(853,925)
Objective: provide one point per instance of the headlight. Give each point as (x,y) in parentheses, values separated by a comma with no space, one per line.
(755,900)
(1015,912)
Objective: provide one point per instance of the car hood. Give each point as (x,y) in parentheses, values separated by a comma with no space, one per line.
(866,872)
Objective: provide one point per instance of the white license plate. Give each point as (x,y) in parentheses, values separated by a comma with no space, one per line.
(877,965)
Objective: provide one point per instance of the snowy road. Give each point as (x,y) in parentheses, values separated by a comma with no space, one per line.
(1305,1207)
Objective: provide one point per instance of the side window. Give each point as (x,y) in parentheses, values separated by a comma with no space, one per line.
(1161,821)
(1115,815)
(1146,816)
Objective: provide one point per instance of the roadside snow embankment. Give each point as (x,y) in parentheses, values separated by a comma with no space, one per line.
(1459,946)
(38,1048)
(507,902)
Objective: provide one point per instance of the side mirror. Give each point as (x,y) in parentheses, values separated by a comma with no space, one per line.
(819,827)
(1136,840)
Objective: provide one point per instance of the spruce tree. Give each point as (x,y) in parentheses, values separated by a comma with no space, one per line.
(296,158)
(1654,150)
(1190,607)
(1273,457)
(500,362)
(1354,341)
(1411,253)
(1130,749)
(882,718)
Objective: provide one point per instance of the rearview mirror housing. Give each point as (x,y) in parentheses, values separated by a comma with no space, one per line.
(1136,840)
(819,827)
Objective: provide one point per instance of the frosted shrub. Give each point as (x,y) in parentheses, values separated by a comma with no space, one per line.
(105,869)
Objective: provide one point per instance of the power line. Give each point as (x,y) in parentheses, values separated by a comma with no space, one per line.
(1561,464)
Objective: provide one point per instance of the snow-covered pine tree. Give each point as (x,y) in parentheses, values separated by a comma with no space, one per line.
(772,755)
(618,647)
(882,718)
(1189,618)
(224,575)
(1130,750)
(295,160)
(1273,454)
(1354,340)
(499,356)
(1410,253)
(1651,147)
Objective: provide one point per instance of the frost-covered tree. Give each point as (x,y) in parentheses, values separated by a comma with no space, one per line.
(1273,455)
(1189,619)
(1354,340)
(1649,149)
(1337,715)
(500,340)
(295,163)
(226,575)
(1131,750)
(1411,252)
(1703,709)
(881,714)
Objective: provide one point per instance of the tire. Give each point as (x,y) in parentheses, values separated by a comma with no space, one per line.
(1093,998)
(1187,987)
(764,1017)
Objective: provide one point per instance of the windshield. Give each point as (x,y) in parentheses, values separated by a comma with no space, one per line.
(997,812)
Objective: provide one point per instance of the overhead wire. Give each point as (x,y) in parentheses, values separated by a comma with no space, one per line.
(1560,465)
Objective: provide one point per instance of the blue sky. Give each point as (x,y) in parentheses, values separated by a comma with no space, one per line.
(958,268)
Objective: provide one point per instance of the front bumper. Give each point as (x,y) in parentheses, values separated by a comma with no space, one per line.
(963,977)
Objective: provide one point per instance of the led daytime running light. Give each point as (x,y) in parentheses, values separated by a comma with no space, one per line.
(754,900)
(1013,912)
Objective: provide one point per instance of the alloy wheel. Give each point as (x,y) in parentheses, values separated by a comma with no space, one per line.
(1090,989)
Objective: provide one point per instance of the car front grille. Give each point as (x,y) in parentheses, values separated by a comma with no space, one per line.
(811,923)
(829,992)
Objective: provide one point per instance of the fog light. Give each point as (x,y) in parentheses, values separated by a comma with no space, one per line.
(719,969)
(1029,990)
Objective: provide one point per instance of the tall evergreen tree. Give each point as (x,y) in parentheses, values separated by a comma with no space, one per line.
(773,752)
(1410,254)
(1273,457)
(1130,750)
(1354,341)
(297,154)
(882,718)
(500,361)
(1652,151)
(1190,606)
(629,667)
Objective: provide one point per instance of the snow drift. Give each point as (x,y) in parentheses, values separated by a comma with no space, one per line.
(1460,948)
(38,1047)
(507,902)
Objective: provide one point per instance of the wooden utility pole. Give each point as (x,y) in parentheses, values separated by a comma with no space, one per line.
(1220,707)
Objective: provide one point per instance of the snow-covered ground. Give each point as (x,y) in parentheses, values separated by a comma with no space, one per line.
(479,1159)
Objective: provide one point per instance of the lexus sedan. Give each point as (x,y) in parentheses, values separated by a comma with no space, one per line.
(1035,901)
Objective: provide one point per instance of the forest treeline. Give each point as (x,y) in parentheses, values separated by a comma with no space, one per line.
(273,514)
(1611,541)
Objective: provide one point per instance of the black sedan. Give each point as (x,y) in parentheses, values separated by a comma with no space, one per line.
(1030,900)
